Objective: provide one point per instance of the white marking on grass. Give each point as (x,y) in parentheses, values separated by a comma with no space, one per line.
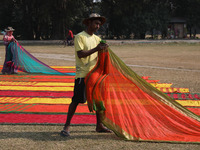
(55,56)
(166,68)
(72,58)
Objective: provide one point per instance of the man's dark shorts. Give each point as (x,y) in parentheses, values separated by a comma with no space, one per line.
(79,91)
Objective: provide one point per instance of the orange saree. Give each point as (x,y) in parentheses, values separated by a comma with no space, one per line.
(134,109)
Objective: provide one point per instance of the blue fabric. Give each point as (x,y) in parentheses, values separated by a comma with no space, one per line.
(26,62)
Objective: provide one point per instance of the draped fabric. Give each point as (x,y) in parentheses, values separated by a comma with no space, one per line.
(134,109)
(24,61)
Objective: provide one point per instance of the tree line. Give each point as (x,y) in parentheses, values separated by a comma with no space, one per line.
(50,19)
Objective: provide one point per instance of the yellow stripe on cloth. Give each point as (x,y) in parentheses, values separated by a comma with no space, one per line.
(53,84)
(17,83)
(173,90)
(35,100)
(37,83)
(189,102)
(161,84)
(42,88)
(63,67)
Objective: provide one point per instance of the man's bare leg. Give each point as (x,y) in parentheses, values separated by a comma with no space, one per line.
(71,111)
(99,126)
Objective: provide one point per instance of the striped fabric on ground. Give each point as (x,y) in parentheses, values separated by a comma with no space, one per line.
(44,99)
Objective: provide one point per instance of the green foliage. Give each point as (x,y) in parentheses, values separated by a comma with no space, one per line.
(50,19)
(136,17)
(43,19)
(190,10)
(6,13)
(103,41)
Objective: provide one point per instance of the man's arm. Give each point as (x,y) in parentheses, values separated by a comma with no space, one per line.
(83,53)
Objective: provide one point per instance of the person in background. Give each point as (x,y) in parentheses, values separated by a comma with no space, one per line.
(87,45)
(70,37)
(8,66)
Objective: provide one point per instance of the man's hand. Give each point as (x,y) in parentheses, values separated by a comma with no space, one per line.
(84,53)
(101,46)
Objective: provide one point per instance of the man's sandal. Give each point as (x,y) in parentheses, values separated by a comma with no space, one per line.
(64,133)
(104,130)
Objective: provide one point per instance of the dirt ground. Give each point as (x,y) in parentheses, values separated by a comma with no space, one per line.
(177,63)
(38,137)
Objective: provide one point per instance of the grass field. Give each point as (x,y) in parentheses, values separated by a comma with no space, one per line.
(176,63)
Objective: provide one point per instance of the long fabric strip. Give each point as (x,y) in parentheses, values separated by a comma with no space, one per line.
(13,118)
(134,109)
(26,62)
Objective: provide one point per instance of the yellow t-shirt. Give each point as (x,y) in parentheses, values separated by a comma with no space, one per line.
(84,41)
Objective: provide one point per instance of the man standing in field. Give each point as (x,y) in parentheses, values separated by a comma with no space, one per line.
(87,45)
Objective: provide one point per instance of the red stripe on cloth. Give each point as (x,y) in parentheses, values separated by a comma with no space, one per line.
(41,80)
(36,94)
(196,96)
(175,96)
(183,96)
(46,119)
(152,81)
(195,110)
(146,77)
(60,70)
(37,76)
(39,108)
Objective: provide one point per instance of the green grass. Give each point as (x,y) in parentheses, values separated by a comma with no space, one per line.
(32,137)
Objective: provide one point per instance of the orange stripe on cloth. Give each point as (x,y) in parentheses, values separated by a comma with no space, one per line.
(40,108)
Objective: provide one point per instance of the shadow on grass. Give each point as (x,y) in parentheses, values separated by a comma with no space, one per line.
(79,135)
(55,136)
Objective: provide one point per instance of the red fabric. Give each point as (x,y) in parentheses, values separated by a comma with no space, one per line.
(36,77)
(45,119)
(8,38)
(134,109)
(36,94)
(194,110)
(41,80)
(40,108)
(70,34)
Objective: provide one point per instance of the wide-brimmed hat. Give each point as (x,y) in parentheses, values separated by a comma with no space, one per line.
(9,29)
(94,16)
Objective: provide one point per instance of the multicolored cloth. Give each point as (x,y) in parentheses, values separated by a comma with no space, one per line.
(134,109)
(22,60)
